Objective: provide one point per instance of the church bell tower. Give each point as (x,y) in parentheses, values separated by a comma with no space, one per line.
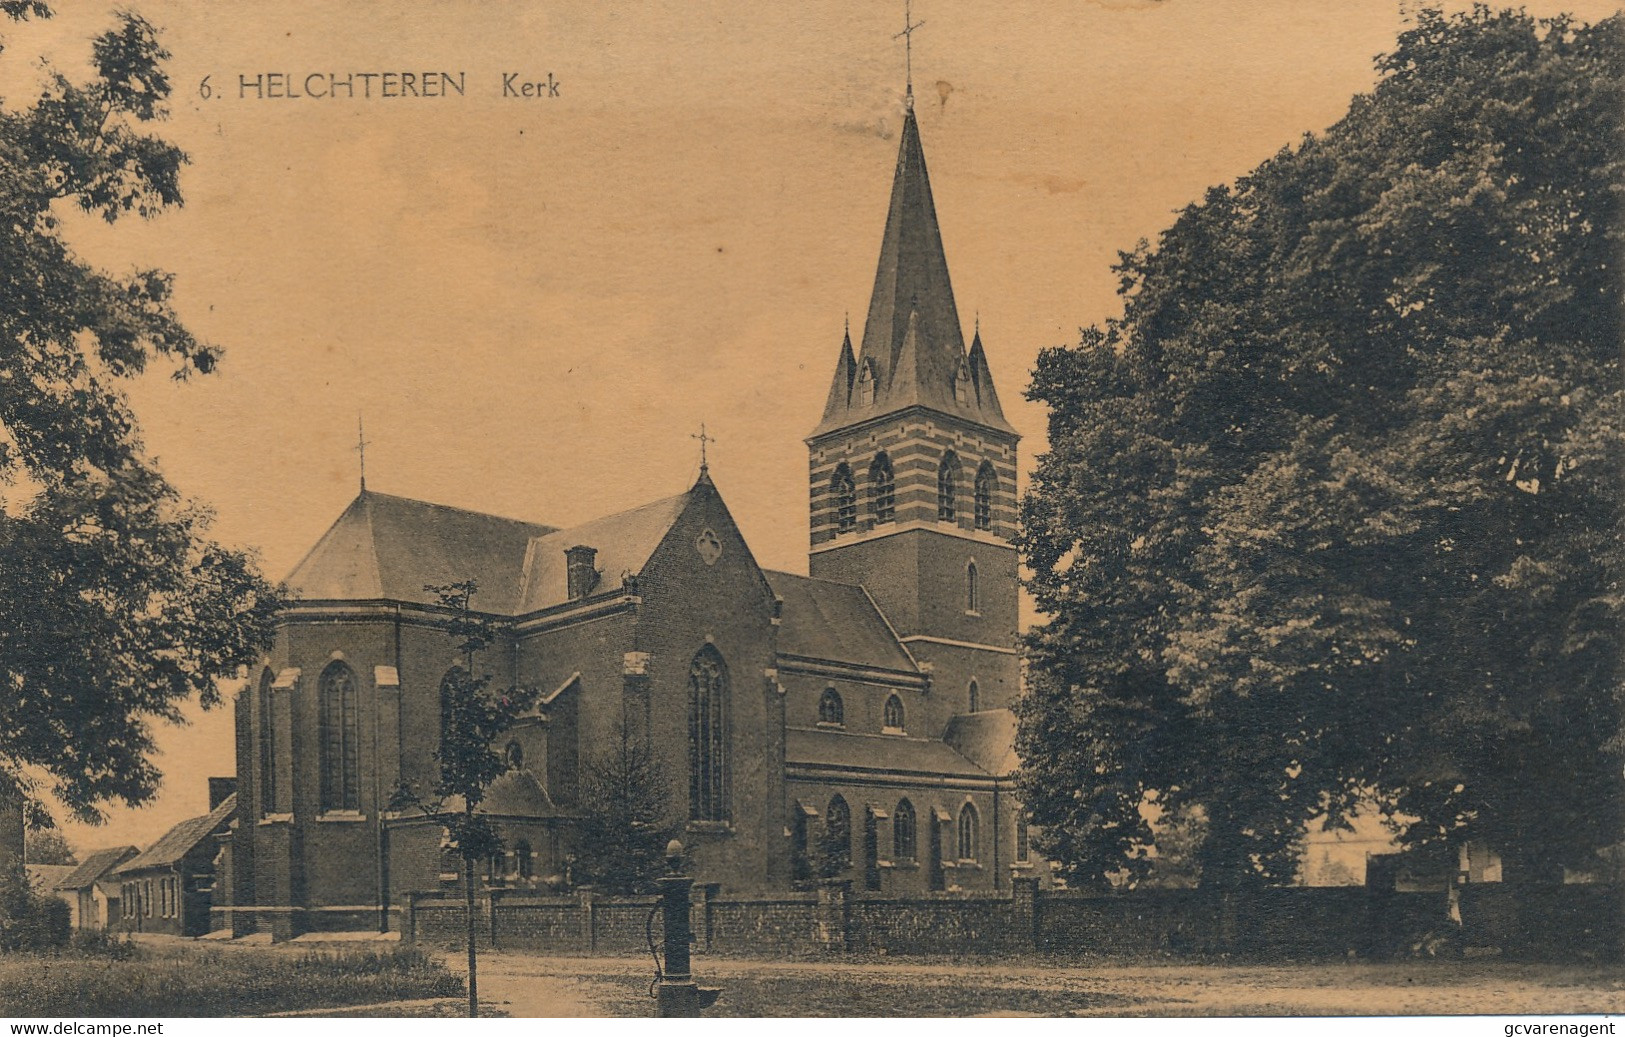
(913,466)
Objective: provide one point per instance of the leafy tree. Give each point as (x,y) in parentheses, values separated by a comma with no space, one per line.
(48,846)
(626,818)
(115,606)
(474,714)
(1331,514)
(31,919)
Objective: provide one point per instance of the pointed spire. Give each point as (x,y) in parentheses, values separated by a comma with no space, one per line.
(840,388)
(912,298)
(982,377)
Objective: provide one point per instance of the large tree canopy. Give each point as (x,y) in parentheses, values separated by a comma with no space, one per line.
(1331,515)
(115,607)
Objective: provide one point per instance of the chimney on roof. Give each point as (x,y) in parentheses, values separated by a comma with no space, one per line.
(219,789)
(581,570)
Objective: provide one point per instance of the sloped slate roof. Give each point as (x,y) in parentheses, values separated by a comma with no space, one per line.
(518,794)
(179,841)
(624,542)
(386,547)
(838,622)
(875,753)
(988,738)
(49,877)
(96,866)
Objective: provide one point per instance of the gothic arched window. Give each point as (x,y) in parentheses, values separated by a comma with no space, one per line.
(882,489)
(986,483)
(514,753)
(838,831)
(708,798)
(967,833)
(904,841)
(845,494)
(340,739)
(975,696)
(892,717)
(973,589)
(1023,841)
(948,487)
(830,708)
(962,384)
(268,790)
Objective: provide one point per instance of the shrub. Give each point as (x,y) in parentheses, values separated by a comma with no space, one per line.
(29,920)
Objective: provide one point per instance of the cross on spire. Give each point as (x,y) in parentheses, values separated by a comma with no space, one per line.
(361,445)
(704,439)
(909,25)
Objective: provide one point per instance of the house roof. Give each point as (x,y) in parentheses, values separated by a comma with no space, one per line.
(96,866)
(988,738)
(180,840)
(623,541)
(875,753)
(49,876)
(837,622)
(912,339)
(386,547)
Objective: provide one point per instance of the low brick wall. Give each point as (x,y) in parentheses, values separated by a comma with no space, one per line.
(1558,922)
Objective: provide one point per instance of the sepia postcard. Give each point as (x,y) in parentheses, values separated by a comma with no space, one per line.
(846,508)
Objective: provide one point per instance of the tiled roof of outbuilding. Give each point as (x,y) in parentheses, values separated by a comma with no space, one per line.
(179,841)
(96,866)
(837,622)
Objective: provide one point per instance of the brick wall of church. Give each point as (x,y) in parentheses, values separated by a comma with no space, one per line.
(688,603)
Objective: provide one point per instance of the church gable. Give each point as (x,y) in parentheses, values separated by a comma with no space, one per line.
(702,542)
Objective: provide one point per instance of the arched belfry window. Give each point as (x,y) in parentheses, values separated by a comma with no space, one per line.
(975,696)
(892,716)
(962,384)
(973,589)
(341,741)
(269,799)
(986,484)
(948,488)
(882,489)
(844,492)
(830,708)
(967,833)
(904,832)
(708,794)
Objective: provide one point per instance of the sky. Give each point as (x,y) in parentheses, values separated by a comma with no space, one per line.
(536,301)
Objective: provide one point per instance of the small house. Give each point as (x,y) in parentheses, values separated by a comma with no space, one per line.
(93,889)
(168,887)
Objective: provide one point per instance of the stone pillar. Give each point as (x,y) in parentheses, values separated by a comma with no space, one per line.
(1024,907)
(589,933)
(834,915)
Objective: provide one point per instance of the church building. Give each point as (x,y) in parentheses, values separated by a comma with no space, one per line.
(866,706)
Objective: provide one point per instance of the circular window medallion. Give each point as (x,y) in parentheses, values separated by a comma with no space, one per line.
(709,547)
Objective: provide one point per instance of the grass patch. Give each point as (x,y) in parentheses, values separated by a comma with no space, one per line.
(185,981)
